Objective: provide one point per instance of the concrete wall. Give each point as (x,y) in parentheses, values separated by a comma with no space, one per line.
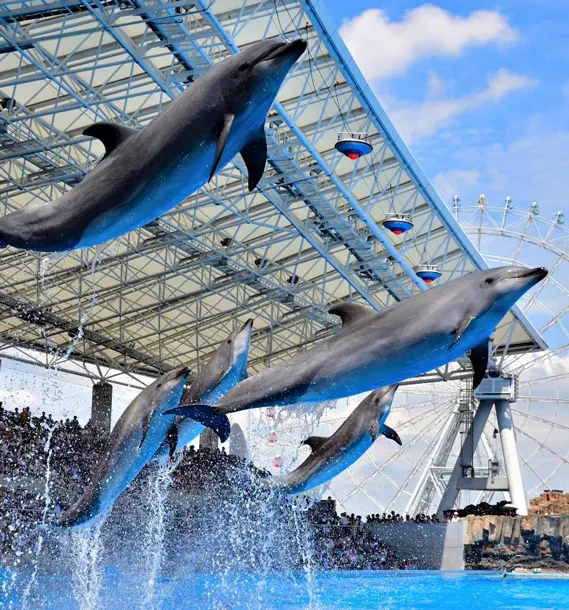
(430,546)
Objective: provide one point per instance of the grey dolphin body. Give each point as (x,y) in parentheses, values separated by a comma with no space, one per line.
(145,173)
(331,456)
(132,444)
(224,370)
(375,349)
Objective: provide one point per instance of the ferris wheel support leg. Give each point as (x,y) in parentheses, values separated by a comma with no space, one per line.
(473,436)
(511,458)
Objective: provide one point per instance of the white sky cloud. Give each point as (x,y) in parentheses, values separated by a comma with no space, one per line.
(384,48)
(450,183)
(424,119)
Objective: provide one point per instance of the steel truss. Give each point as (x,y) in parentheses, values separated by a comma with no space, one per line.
(309,236)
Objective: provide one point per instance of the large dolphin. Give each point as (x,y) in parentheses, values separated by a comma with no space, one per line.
(375,349)
(224,370)
(133,442)
(145,173)
(332,455)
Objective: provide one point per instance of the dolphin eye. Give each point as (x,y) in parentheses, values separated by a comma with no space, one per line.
(490,280)
(243,67)
(228,341)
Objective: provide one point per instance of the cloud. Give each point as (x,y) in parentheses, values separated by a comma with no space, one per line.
(436,86)
(450,183)
(384,48)
(532,165)
(414,121)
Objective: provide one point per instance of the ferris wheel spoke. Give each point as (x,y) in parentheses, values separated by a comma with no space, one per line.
(416,468)
(401,451)
(532,469)
(542,445)
(544,399)
(539,288)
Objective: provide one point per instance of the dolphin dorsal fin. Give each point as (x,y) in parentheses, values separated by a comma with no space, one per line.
(350,312)
(112,135)
(314,442)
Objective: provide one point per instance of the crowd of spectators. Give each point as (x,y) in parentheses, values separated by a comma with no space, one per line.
(344,542)
(29,443)
(394,517)
(26,441)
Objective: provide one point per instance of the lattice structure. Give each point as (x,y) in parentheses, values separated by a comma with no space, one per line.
(309,236)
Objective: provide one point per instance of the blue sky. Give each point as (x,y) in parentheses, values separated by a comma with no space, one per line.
(478,90)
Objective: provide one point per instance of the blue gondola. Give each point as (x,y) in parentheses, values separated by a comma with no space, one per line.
(353,145)
(398,223)
(428,273)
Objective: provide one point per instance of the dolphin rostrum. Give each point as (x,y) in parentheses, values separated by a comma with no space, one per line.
(224,370)
(375,349)
(332,455)
(133,442)
(145,173)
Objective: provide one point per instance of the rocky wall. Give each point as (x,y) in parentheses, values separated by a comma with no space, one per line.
(535,541)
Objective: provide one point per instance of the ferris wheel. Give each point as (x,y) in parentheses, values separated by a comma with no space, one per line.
(433,418)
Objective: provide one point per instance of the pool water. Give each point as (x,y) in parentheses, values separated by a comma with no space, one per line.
(387,590)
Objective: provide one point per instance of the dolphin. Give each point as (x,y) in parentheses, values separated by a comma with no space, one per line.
(133,442)
(224,370)
(332,455)
(145,173)
(374,349)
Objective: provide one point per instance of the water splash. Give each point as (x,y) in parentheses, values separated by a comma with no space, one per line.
(305,547)
(159,483)
(42,526)
(95,265)
(87,574)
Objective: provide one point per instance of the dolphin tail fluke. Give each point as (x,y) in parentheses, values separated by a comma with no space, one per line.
(207,416)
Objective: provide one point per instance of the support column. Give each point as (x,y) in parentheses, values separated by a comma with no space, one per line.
(472,439)
(101,406)
(209,440)
(511,458)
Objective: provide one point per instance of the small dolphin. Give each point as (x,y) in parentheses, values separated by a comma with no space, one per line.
(146,173)
(224,370)
(133,442)
(375,349)
(331,456)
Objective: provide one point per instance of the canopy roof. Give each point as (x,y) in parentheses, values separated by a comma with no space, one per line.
(311,234)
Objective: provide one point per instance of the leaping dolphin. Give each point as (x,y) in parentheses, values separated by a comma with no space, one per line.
(331,456)
(145,173)
(375,349)
(224,370)
(133,442)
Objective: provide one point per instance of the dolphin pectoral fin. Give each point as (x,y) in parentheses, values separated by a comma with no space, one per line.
(145,425)
(314,442)
(391,434)
(461,330)
(112,135)
(223,137)
(207,416)
(254,154)
(479,360)
(172,439)
(350,313)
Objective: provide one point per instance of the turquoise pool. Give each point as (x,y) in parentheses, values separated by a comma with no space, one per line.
(415,590)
